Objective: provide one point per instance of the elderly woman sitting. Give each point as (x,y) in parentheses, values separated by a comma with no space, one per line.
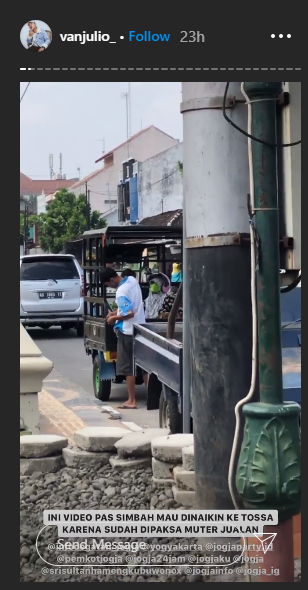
(159,285)
(167,305)
(169,299)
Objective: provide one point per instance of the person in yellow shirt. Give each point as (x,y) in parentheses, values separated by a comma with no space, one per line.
(176,276)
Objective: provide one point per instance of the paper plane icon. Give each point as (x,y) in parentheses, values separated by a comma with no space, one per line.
(267,543)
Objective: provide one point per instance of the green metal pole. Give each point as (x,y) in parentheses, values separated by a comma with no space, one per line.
(267,226)
(269,472)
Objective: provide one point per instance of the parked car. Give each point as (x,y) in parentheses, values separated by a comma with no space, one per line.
(51,291)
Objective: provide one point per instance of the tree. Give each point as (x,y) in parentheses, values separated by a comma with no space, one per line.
(22,224)
(65,219)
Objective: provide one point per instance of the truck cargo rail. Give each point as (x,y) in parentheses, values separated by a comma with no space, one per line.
(157,355)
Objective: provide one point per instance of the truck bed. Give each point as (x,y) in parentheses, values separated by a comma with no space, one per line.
(155,354)
(292,379)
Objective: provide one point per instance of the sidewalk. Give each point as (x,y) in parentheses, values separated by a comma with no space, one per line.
(55,418)
(89,410)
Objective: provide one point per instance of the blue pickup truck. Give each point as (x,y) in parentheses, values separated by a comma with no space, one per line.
(162,359)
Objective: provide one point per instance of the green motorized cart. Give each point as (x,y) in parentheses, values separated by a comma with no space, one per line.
(141,248)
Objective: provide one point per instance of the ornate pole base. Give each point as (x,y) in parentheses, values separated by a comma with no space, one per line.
(269,468)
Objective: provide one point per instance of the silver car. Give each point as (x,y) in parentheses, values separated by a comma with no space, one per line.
(51,292)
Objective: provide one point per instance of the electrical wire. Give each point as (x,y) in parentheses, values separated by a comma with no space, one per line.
(249,135)
(42,176)
(293,285)
(147,187)
(25,90)
(113,193)
(251,392)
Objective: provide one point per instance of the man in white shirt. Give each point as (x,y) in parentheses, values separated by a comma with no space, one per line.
(37,40)
(130,311)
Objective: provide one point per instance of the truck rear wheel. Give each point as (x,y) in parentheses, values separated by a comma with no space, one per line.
(102,389)
(169,415)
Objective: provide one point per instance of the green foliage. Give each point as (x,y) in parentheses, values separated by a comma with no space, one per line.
(65,219)
(180,165)
(22,224)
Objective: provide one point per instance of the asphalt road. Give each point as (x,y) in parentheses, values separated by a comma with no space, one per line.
(71,381)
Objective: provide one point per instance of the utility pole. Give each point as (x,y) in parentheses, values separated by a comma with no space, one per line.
(269,468)
(88,211)
(88,206)
(216,281)
(103,140)
(127,123)
(127,97)
(129,109)
(25,229)
(51,165)
(187,385)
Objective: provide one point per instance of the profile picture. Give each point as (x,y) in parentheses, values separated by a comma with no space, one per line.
(36,36)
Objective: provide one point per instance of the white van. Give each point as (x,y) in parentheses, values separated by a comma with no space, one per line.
(51,291)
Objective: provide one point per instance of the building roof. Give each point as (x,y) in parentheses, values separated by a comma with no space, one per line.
(36,187)
(169,218)
(131,139)
(82,181)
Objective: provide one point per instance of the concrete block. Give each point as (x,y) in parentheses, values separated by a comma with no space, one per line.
(184,479)
(41,465)
(169,448)
(161,469)
(128,463)
(41,445)
(188,458)
(163,482)
(77,459)
(132,426)
(184,497)
(98,439)
(138,444)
